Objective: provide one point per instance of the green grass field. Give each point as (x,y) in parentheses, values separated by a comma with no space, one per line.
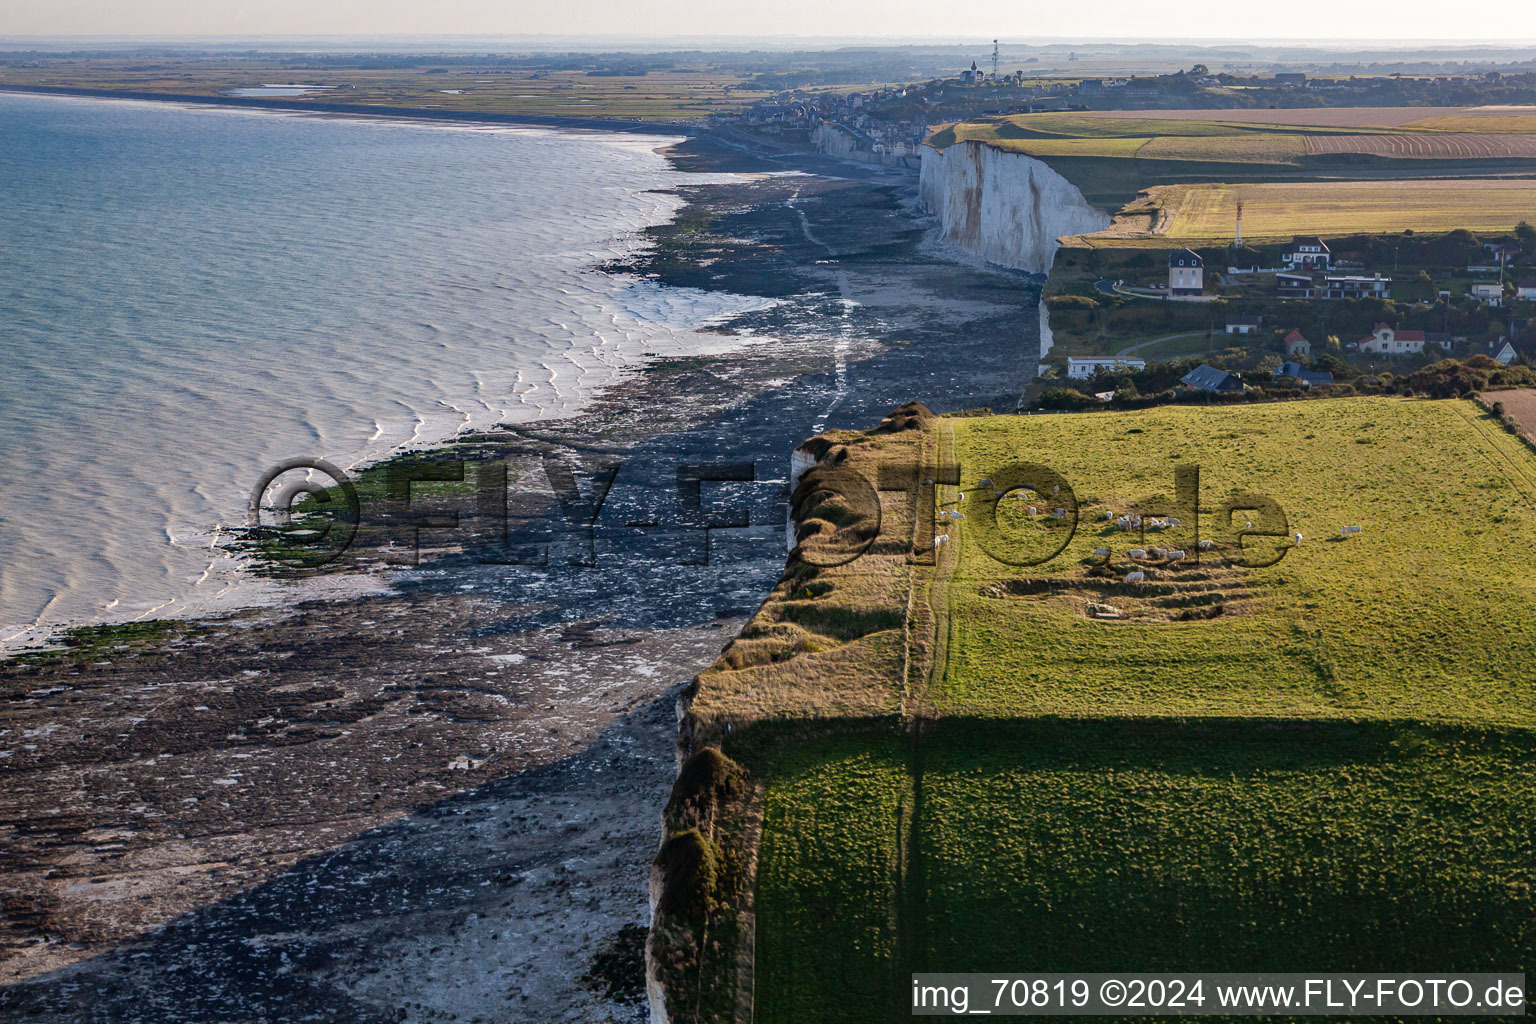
(1424,616)
(1139,846)
(1335,773)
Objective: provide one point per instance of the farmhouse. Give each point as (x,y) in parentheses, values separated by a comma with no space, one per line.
(1306,252)
(1297,346)
(1502,353)
(1308,378)
(1243,324)
(1083,369)
(1294,285)
(1526,289)
(1207,378)
(1186,272)
(1390,341)
(1350,286)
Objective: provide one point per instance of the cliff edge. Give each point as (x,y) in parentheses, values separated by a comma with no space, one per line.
(1006,207)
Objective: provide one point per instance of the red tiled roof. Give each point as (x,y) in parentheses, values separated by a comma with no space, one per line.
(1295,336)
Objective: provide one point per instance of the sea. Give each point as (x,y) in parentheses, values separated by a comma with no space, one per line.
(189,295)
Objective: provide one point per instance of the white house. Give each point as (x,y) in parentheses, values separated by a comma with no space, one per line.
(1390,341)
(1502,352)
(1243,324)
(1306,252)
(1490,293)
(1186,272)
(1526,289)
(1354,286)
(1297,346)
(1083,369)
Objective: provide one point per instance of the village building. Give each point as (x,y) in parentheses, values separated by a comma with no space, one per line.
(1385,340)
(1306,252)
(1294,285)
(1306,377)
(1502,352)
(1207,378)
(1526,289)
(1350,286)
(1243,324)
(1083,369)
(1297,346)
(1489,293)
(1186,272)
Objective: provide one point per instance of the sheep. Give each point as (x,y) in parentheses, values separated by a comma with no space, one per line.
(1298,540)
(1171,521)
(1059,513)
(1175,556)
(956,515)
(1135,577)
(1206,545)
(1033,511)
(1106,515)
(1349,531)
(985,481)
(1101,552)
(1137,553)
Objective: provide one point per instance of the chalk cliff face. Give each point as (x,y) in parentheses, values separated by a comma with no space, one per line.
(1005,207)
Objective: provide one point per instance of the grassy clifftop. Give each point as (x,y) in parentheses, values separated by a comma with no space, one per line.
(998,753)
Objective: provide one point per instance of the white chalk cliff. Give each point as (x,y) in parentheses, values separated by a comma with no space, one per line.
(1007,208)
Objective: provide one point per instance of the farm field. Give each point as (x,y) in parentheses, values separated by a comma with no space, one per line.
(1203,212)
(1519,405)
(1427,145)
(1329,760)
(1335,117)
(1114,155)
(680,94)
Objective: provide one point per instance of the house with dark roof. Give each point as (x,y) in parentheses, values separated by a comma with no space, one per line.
(1306,252)
(1206,377)
(1355,286)
(1526,289)
(1294,285)
(1186,272)
(1304,376)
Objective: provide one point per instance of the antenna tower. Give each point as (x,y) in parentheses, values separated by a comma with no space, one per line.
(1237,242)
(994,59)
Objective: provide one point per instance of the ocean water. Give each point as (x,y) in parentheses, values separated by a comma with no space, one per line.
(188,296)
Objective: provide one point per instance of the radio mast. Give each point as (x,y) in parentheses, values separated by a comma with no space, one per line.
(1237,242)
(994,60)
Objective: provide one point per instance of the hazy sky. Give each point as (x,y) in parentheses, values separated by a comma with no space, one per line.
(1491,20)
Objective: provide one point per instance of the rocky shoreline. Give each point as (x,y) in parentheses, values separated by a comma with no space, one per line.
(440,802)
